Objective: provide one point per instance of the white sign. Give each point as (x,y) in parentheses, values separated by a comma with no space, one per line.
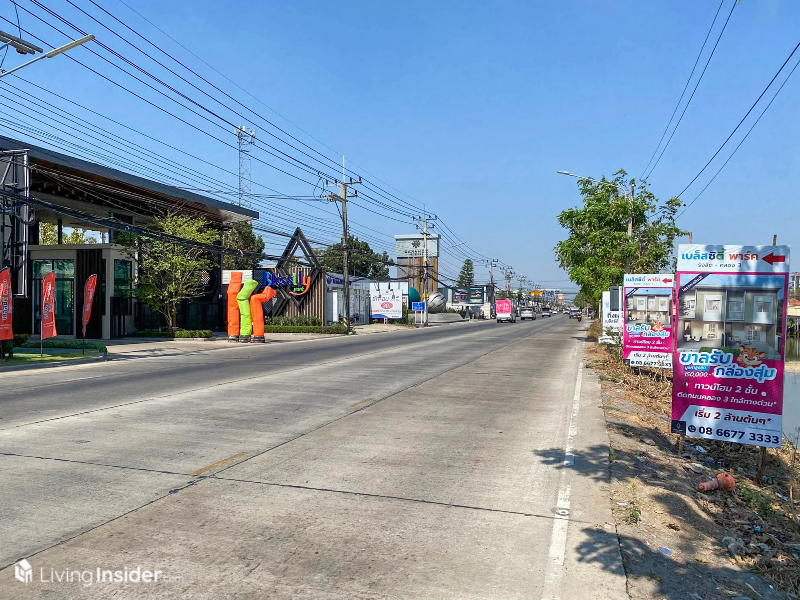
(226,275)
(733,259)
(661,360)
(612,319)
(665,280)
(386,304)
(413,246)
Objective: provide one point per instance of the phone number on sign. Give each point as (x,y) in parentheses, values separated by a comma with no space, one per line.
(736,435)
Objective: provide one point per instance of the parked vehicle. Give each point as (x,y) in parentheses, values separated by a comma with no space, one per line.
(527,313)
(505,311)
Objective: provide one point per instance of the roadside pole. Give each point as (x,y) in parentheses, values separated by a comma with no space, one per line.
(345,238)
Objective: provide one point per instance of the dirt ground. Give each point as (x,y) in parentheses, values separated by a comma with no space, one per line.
(677,542)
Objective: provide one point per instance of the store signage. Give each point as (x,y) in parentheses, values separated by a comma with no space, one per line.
(6,305)
(468,296)
(413,245)
(297,283)
(385,303)
(728,360)
(648,333)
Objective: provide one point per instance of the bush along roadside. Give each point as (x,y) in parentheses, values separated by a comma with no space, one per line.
(754,527)
(68,344)
(183,333)
(336,328)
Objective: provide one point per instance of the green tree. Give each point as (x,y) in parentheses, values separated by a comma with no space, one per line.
(598,248)
(48,235)
(364,261)
(467,276)
(242,237)
(171,272)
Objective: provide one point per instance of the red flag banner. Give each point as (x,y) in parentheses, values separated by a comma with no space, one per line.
(6,305)
(88,298)
(49,305)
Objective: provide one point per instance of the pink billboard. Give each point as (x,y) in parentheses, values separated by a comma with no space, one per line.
(648,313)
(731,341)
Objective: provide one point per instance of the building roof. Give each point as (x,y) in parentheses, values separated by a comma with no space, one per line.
(216,209)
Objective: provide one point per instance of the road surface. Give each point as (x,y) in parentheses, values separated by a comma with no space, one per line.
(453,462)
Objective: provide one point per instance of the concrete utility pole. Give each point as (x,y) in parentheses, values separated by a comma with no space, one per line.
(345,237)
(425,218)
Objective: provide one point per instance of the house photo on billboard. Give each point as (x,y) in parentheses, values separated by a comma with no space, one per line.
(725,311)
(649,306)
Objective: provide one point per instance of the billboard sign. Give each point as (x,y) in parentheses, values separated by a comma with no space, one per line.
(412,245)
(385,303)
(612,320)
(468,296)
(728,360)
(648,307)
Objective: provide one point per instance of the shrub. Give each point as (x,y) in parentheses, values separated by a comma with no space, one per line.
(709,349)
(182,333)
(335,328)
(300,321)
(20,339)
(71,344)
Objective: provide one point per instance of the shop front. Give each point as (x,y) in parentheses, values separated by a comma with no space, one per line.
(334,299)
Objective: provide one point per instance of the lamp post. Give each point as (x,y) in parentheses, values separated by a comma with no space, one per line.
(622,191)
(24,47)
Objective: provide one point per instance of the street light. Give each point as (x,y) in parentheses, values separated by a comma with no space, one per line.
(622,191)
(25,48)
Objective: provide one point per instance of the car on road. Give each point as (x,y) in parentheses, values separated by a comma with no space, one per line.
(527,313)
(546,313)
(574,313)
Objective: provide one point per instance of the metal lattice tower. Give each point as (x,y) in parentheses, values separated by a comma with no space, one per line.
(245,141)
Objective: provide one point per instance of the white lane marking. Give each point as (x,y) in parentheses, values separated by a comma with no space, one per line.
(558,538)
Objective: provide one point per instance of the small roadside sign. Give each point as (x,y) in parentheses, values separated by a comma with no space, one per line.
(418,306)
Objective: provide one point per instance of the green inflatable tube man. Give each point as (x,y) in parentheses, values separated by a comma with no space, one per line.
(243,300)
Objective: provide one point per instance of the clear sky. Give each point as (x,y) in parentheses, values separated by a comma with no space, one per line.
(467,107)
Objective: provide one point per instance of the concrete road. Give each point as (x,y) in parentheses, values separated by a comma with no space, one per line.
(464,461)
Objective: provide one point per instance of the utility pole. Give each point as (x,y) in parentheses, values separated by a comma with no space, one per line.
(424,219)
(245,141)
(344,194)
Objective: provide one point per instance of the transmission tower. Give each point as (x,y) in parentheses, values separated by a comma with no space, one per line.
(245,141)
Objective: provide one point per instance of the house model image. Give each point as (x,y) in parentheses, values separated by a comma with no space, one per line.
(648,306)
(724,311)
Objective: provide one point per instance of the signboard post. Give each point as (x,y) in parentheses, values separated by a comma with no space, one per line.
(728,361)
(647,308)
(419,312)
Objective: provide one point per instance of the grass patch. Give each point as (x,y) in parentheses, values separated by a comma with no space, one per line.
(33,359)
(67,344)
(756,500)
(612,455)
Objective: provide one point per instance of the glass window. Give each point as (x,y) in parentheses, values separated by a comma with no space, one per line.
(763,307)
(123,278)
(651,303)
(712,305)
(735,309)
(65,293)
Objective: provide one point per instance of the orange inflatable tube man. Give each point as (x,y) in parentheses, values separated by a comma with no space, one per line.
(233,308)
(257,312)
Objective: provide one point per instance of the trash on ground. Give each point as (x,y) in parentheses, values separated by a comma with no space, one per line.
(666,551)
(722,480)
(701,450)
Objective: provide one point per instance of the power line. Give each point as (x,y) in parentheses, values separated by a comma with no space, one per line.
(685,87)
(710,56)
(735,129)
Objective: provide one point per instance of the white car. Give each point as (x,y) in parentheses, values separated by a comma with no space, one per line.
(546,312)
(527,313)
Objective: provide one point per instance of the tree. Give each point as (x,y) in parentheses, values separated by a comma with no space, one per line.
(171,272)
(242,237)
(467,276)
(598,248)
(48,235)
(364,261)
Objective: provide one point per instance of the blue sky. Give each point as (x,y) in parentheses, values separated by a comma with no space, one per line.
(467,107)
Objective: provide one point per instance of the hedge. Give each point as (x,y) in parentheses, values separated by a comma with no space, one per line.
(336,328)
(71,344)
(301,321)
(184,333)
(20,339)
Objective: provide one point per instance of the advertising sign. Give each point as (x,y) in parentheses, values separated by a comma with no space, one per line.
(88,298)
(413,246)
(6,305)
(386,303)
(468,296)
(647,308)
(727,381)
(418,306)
(612,320)
(49,305)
